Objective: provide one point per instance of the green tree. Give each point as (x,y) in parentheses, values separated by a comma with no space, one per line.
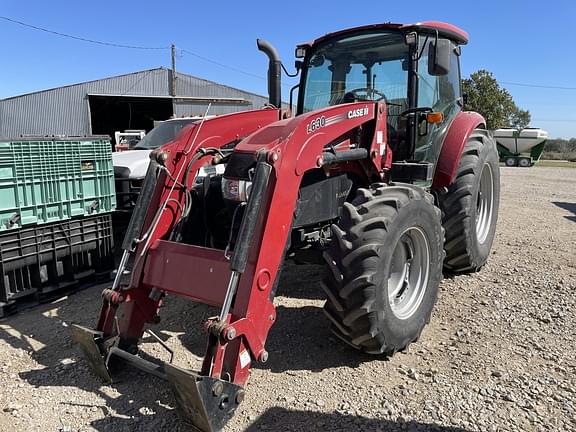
(495,103)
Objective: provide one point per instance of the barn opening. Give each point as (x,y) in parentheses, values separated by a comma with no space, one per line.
(109,114)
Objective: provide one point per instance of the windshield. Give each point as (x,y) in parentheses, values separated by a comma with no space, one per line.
(163,133)
(366,66)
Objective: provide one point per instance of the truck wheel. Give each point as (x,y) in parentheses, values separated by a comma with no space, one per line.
(524,162)
(511,162)
(470,206)
(386,263)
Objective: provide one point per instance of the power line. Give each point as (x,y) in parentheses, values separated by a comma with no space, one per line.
(117,45)
(222,64)
(233,68)
(538,85)
(79,38)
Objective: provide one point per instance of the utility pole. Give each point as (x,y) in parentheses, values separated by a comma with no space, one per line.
(173,77)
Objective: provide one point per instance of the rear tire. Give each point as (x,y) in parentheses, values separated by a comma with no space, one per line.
(470,206)
(511,162)
(386,264)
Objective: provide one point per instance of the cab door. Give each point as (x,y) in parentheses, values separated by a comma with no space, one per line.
(441,94)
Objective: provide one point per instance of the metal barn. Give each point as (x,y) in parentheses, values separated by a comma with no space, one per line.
(131,101)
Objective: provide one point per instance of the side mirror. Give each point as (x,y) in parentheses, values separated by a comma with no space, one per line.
(439,57)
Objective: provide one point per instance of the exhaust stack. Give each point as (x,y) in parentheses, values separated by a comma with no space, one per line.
(274,71)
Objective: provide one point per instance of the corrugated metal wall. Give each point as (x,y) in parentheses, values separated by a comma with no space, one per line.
(187,85)
(65,110)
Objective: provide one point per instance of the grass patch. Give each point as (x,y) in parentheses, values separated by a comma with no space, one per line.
(556,164)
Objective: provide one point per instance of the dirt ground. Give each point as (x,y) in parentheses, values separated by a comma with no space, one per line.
(498,355)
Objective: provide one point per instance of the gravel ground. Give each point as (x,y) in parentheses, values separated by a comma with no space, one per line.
(498,355)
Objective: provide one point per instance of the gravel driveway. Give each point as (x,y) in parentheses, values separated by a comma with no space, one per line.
(498,355)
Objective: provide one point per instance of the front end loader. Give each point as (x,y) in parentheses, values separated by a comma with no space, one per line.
(380,174)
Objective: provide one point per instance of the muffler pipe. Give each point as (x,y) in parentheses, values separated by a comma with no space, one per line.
(274,72)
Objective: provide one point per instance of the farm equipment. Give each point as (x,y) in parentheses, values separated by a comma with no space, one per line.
(380,172)
(520,147)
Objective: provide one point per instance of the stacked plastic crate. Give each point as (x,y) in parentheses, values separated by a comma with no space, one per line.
(56,199)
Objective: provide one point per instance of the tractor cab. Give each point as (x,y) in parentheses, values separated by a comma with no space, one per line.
(413,69)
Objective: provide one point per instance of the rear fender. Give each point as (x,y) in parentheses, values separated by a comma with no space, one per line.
(453,146)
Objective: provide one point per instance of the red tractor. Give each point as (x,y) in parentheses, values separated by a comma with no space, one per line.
(381,173)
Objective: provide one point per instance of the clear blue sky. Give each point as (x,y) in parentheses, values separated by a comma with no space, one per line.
(519,41)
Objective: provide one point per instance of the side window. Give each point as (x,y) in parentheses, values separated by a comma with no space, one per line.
(427,84)
(438,92)
(449,85)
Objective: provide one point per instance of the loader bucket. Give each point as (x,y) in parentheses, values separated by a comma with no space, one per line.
(88,341)
(205,402)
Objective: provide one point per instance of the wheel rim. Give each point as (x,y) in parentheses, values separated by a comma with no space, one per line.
(409,273)
(484,204)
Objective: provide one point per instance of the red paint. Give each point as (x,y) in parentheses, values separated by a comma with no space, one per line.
(444,29)
(293,147)
(458,133)
(138,309)
(263,279)
(176,268)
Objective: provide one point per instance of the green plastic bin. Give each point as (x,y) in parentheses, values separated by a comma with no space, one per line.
(46,180)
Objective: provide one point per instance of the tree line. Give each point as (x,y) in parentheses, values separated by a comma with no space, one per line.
(484,95)
(559,145)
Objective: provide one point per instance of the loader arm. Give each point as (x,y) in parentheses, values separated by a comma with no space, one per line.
(243,284)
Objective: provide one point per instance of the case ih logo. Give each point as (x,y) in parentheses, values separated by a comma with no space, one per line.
(360,112)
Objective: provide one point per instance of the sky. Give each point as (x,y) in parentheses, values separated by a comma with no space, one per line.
(529,43)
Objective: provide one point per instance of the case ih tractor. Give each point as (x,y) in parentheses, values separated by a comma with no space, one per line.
(380,172)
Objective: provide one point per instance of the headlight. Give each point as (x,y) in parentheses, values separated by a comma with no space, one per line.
(236,190)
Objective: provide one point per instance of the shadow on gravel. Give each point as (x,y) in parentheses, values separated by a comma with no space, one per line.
(287,420)
(308,329)
(143,402)
(571,207)
(302,281)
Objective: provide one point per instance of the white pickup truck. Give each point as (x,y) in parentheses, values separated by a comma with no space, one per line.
(130,166)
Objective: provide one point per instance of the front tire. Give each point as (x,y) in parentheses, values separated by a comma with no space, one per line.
(470,206)
(386,265)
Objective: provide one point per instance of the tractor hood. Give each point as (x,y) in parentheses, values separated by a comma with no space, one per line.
(131,164)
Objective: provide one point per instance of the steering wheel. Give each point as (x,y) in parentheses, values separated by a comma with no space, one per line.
(355,95)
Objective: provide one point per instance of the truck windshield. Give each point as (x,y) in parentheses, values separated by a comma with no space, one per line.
(365,66)
(162,134)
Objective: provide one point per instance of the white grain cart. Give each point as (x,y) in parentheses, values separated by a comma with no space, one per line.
(520,147)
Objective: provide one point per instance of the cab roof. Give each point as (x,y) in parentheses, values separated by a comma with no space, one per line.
(445,30)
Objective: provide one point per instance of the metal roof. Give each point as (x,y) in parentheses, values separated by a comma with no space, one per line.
(65,110)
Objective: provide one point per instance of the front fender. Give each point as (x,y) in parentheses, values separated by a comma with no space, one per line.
(453,146)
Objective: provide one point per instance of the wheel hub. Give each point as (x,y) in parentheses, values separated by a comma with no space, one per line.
(484,204)
(409,273)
